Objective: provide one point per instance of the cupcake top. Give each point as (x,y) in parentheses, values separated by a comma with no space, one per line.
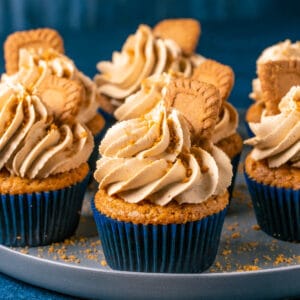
(154,157)
(38,136)
(37,59)
(150,93)
(169,46)
(277,137)
(272,65)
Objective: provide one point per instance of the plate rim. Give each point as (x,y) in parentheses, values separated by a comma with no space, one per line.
(147,274)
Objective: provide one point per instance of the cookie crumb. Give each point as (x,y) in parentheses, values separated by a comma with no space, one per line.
(282,259)
(246,268)
(267,257)
(226,252)
(24,251)
(256,227)
(236,235)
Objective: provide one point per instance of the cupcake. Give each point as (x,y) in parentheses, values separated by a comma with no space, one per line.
(170,45)
(43,162)
(162,194)
(225,134)
(32,55)
(282,51)
(272,169)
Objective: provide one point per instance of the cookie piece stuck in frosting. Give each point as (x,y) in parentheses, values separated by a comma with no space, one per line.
(185,32)
(198,101)
(60,95)
(277,77)
(213,72)
(38,38)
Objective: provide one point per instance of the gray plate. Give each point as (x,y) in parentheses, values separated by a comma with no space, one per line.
(77,267)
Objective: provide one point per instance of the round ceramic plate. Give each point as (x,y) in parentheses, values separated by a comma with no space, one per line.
(249,264)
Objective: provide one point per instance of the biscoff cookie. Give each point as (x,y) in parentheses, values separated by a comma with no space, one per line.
(277,77)
(62,96)
(217,74)
(185,32)
(37,38)
(198,101)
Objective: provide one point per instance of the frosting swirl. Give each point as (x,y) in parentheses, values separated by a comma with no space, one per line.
(32,143)
(277,137)
(227,124)
(35,65)
(144,100)
(142,55)
(151,158)
(152,91)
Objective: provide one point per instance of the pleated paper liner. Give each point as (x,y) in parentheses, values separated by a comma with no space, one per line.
(42,218)
(277,210)
(173,248)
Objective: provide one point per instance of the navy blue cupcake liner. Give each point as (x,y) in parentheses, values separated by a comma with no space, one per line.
(277,210)
(173,248)
(41,218)
(235,164)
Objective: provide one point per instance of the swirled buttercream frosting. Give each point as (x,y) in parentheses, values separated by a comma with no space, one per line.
(32,143)
(151,157)
(277,137)
(36,64)
(142,55)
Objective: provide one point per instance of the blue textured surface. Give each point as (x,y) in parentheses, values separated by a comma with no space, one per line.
(11,289)
(234,32)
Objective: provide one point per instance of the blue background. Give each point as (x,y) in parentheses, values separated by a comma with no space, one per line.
(233,32)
